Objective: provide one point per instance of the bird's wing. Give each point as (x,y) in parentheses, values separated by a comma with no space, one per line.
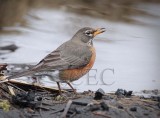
(67,56)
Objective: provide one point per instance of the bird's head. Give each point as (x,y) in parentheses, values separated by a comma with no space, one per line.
(86,35)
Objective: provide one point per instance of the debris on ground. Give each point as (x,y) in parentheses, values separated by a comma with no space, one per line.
(122,93)
(4,104)
(46,103)
(19,99)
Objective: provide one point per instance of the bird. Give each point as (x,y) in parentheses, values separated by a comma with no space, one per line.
(70,61)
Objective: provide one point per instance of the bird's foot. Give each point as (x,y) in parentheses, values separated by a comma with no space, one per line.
(36,81)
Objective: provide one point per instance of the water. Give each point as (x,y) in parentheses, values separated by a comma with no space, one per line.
(127,54)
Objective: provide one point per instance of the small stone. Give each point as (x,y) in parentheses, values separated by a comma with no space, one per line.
(99,93)
(30,110)
(120,107)
(129,93)
(155,91)
(39,98)
(104,106)
(10,47)
(133,109)
(155,98)
(120,92)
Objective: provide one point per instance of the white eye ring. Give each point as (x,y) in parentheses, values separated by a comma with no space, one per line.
(88,33)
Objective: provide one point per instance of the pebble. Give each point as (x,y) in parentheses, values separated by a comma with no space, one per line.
(133,109)
(120,107)
(99,93)
(104,106)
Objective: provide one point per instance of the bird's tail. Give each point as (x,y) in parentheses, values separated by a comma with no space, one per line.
(25,73)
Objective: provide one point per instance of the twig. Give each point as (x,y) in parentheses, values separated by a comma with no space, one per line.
(80,103)
(57,111)
(11,90)
(5,94)
(66,109)
(16,87)
(73,115)
(100,114)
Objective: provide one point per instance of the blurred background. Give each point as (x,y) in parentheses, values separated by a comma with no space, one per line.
(30,29)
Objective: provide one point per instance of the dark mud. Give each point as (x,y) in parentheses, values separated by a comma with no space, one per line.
(39,102)
(18,99)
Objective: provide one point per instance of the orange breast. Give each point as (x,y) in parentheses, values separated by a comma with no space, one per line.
(74,74)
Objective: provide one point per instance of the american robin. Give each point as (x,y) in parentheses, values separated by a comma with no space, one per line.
(70,61)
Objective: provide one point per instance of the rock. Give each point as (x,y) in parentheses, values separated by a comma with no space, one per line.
(99,93)
(8,46)
(133,109)
(25,99)
(122,92)
(104,106)
(82,101)
(129,93)
(120,107)
(155,98)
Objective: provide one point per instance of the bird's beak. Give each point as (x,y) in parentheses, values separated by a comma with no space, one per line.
(99,31)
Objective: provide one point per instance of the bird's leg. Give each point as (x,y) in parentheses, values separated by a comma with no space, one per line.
(60,92)
(72,88)
(36,80)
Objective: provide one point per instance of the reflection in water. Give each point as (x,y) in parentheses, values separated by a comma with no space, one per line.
(127,54)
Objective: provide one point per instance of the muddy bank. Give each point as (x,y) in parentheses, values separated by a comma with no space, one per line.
(19,100)
(22,99)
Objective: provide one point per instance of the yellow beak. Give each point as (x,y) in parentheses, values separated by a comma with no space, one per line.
(99,31)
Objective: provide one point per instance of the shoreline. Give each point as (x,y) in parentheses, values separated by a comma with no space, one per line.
(18,101)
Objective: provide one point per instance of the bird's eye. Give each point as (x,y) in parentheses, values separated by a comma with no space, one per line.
(88,33)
